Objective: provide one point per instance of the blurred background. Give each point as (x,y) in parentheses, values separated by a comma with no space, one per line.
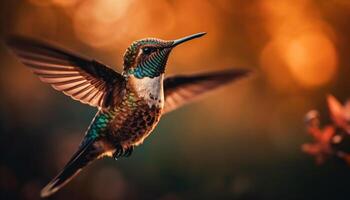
(241,142)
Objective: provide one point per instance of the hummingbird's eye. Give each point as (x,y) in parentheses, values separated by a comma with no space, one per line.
(147,50)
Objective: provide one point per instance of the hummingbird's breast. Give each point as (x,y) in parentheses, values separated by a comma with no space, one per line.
(139,111)
(149,89)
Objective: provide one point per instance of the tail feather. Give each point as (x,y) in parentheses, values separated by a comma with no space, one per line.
(86,153)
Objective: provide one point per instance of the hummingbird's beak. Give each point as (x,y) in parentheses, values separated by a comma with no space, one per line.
(187,38)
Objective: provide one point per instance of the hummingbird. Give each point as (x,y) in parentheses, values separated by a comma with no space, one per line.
(130,104)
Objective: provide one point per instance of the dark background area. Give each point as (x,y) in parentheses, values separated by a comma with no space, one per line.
(241,142)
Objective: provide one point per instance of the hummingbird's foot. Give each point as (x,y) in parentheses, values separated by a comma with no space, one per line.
(119,151)
(128,151)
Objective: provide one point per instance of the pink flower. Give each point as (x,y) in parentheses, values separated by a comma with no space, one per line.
(340,114)
(321,146)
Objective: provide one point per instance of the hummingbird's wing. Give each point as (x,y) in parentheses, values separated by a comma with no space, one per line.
(182,89)
(87,81)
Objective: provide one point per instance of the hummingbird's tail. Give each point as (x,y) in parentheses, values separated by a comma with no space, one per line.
(86,153)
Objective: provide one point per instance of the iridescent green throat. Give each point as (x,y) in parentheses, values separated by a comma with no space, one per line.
(152,67)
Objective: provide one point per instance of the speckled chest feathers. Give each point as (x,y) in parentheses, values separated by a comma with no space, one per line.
(139,111)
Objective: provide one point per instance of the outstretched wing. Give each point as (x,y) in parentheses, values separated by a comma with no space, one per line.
(87,81)
(179,90)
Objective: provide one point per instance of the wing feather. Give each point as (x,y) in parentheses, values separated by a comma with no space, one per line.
(87,81)
(180,90)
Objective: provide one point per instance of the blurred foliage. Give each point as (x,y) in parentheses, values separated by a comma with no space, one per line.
(242,142)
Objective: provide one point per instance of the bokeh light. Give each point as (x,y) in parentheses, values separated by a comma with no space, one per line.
(300,42)
(312,59)
(95,22)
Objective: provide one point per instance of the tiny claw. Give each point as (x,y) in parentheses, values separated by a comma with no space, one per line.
(129,151)
(119,151)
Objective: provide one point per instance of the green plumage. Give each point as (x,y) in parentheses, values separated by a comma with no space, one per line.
(99,124)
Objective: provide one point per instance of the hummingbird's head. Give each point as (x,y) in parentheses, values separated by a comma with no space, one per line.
(148,57)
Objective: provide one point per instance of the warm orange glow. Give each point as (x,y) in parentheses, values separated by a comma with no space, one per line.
(39,2)
(300,42)
(312,59)
(273,64)
(95,22)
(64,3)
